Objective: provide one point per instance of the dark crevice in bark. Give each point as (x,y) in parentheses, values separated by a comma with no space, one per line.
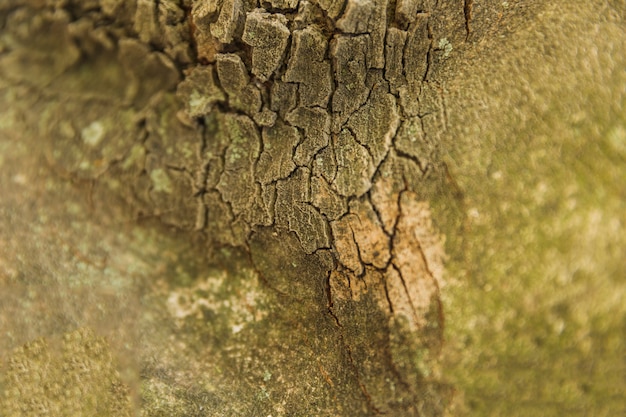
(467,11)
(429,56)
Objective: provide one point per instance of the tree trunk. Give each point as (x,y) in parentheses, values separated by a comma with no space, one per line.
(271,207)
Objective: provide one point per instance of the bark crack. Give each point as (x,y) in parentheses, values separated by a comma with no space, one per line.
(317,121)
(467,11)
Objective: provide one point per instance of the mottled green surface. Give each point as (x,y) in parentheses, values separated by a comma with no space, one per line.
(535,305)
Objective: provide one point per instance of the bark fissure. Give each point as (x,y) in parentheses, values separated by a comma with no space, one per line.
(308,118)
(467,12)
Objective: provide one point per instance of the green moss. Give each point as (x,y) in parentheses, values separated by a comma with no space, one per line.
(534,307)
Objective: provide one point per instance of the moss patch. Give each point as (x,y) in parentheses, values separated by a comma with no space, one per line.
(535,312)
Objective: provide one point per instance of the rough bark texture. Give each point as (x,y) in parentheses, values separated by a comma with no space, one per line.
(305,155)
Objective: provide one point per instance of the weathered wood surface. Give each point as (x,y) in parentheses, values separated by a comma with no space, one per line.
(262,195)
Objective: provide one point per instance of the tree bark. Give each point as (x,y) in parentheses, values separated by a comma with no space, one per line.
(291,168)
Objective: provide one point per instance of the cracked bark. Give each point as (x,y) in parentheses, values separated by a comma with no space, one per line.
(285,122)
(298,141)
